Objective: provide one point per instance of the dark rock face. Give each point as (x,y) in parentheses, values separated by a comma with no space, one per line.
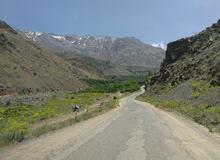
(5,43)
(194,57)
(176,50)
(3,89)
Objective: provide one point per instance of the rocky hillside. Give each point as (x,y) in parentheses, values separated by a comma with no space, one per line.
(195,57)
(189,78)
(102,68)
(127,52)
(25,67)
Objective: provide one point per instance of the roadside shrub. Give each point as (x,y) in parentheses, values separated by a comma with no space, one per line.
(199,86)
(208,116)
(16,120)
(171,104)
(13,131)
(195,95)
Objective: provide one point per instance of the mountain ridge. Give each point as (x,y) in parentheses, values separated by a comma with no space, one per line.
(27,68)
(128,51)
(188,81)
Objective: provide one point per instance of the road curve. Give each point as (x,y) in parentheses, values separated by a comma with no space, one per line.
(134,131)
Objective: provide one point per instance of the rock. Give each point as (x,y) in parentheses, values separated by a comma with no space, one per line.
(194,57)
(76,108)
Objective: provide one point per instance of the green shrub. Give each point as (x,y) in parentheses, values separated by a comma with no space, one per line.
(200,86)
(13,131)
(195,95)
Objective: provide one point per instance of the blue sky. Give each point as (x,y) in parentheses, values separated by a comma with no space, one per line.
(149,20)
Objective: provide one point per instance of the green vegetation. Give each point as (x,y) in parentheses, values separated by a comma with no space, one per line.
(195,95)
(15,120)
(18,121)
(203,113)
(206,115)
(91,112)
(199,88)
(149,77)
(112,84)
(97,63)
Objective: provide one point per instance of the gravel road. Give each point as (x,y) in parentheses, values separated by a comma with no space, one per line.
(133,131)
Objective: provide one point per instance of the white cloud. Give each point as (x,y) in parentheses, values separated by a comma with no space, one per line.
(160,45)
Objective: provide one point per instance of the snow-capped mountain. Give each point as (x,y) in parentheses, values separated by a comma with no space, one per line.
(32,35)
(127,51)
(69,40)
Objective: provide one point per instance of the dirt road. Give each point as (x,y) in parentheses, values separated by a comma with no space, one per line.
(134,131)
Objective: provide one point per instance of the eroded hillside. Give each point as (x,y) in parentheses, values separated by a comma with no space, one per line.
(26,67)
(189,78)
(195,57)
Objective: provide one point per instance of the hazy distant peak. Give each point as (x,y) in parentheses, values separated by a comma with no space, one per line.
(126,51)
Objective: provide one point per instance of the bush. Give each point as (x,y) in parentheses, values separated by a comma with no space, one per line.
(195,95)
(13,131)
(171,104)
(200,86)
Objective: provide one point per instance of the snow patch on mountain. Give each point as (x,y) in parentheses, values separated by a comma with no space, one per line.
(59,37)
(32,35)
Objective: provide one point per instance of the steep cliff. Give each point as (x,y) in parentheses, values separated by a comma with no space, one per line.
(196,57)
(189,78)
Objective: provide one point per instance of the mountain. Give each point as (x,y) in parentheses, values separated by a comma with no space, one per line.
(196,57)
(189,78)
(191,69)
(26,67)
(128,54)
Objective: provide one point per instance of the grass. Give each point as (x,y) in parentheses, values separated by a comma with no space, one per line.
(204,114)
(85,116)
(199,88)
(208,116)
(16,120)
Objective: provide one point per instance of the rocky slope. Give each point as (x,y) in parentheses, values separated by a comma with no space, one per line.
(130,53)
(189,78)
(102,68)
(195,57)
(25,67)
(192,69)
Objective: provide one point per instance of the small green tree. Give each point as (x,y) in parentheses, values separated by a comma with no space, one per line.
(149,77)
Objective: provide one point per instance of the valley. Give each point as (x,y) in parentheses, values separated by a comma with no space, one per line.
(101,97)
(40,87)
(135,130)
